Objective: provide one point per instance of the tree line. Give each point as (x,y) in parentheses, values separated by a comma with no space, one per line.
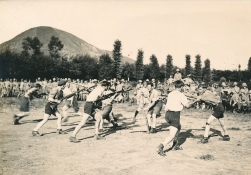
(32,63)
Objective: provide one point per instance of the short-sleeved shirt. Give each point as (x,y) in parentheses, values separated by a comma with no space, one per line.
(143,95)
(176,101)
(93,96)
(66,92)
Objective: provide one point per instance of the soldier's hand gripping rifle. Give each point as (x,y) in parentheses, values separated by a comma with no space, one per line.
(70,95)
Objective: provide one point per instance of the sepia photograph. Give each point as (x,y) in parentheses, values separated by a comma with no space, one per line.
(125,87)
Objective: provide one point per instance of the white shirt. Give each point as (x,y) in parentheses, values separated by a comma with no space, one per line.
(66,92)
(93,96)
(176,100)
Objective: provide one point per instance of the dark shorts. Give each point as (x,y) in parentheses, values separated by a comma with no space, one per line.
(173,118)
(156,108)
(89,108)
(24,104)
(106,111)
(50,109)
(219,111)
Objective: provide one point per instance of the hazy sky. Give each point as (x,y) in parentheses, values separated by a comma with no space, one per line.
(218,30)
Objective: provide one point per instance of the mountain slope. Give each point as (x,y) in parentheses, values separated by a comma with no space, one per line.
(72,45)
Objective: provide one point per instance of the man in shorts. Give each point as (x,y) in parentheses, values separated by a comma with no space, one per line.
(154,107)
(55,96)
(142,101)
(218,113)
(25,101)
(89,109)
(176,101)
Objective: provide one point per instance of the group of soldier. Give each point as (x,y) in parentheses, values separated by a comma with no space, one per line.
(150,97)
(235,98)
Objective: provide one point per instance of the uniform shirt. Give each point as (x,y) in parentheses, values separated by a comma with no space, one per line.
(170,81)
(177,76)
(234,98)
(66,92)
(210,97)
(31,93)
(108,100)
(176,101)
(97,92)
(54,94)
(143,95)
(73,87)
(235,89)
(154,95)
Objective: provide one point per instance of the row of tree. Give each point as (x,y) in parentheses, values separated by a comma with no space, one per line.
(32,63)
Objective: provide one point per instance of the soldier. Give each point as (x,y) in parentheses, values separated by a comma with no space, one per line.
(24,103)
(54,99)
(54,83)
(170,80)
(177,75)
(235,88)
(142,101)
(1,86)
(243,100)
(188,79)
(153,108)
(15,87)
(89,108)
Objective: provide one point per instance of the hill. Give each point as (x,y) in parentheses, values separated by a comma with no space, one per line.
(72,45)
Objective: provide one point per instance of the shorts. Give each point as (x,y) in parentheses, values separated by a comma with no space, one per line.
(156,108)
(173,118)
(24,104)
(219,111)
(89,108)
(106,111)
(51,109)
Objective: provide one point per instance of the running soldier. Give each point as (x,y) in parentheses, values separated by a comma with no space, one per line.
(176,101)
(54,99)
(25,101)
(153,109)
(208,96)
(89,109)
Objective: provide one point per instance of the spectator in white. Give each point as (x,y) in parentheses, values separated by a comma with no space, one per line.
(177,75)
(170,80)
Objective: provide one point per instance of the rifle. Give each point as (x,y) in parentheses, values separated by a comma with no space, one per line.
(110,95)
(70,95)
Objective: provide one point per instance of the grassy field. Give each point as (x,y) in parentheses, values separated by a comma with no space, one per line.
(126,151)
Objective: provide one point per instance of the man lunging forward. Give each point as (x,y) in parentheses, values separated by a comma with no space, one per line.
(218,113)
(55,96)
(88,111)
(176,101)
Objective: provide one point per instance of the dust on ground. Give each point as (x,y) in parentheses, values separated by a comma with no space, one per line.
(126,151)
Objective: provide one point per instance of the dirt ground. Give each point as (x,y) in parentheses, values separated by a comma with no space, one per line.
(126,151)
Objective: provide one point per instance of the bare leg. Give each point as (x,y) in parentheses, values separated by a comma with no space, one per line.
(173,132)
(59,120)
(80,125)
(223,126)
(209,121)
(40,124)
(154,120)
